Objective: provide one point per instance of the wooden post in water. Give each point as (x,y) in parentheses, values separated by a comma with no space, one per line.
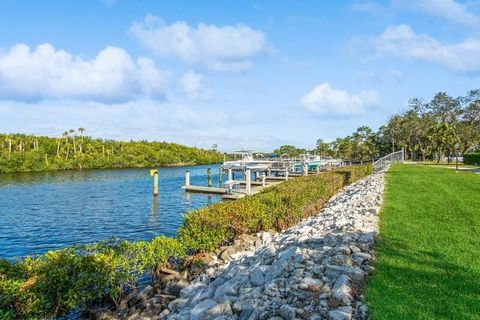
(263,179)
(230,175)
(220,176)
(248,184)
(187,178)
(286,175)
(305,169)
(318,169)
(154,173)
(209,174)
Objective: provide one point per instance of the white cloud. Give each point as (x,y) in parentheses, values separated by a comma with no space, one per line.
(448,10)
(137,120)
(325,100)
(219,48)
(372,8)
(192,86)
(47,73)
(402,41)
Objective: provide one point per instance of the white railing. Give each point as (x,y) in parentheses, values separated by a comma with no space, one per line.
(383,163)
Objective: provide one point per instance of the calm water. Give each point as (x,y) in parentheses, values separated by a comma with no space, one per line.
(51,210)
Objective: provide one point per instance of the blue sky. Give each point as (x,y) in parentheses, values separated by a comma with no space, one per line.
(254,74)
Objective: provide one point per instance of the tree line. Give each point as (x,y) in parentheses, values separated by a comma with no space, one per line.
(75,150)
(427,130)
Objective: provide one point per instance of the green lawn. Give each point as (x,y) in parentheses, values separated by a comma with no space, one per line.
(428,253)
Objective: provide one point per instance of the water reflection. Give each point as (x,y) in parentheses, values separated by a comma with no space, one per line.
(154,212)
(51,210)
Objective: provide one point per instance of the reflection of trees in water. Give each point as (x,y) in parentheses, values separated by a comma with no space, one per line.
(154,211)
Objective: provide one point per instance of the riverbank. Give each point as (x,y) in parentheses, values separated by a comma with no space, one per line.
(58,282)
(75,151)
(313,270)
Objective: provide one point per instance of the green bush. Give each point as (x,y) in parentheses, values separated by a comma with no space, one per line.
(471,158)
(275,208)
(62,280)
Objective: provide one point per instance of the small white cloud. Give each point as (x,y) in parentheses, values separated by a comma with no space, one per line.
(449,10)
(373,8)
(47,73)
(192,86)
(325,100)
(219,48)
(402,41)
(369,77)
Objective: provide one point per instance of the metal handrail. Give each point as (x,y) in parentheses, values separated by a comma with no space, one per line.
(383,163)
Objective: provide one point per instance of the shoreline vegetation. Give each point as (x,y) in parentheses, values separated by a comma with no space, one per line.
(60,281)
(75,151)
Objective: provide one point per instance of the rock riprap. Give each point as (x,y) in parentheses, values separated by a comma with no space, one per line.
(314,270)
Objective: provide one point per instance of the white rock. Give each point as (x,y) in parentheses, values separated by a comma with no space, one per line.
(341,292)
(200,309)
(257,278)
(287,312)
(341,313)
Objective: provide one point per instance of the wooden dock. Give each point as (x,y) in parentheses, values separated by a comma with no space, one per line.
(202,189)
(272,178)
(249,187)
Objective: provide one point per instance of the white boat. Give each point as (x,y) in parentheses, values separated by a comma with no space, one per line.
(314,162)
(247,162)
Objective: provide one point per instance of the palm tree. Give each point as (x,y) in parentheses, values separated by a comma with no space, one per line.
(81,130)
(73,139)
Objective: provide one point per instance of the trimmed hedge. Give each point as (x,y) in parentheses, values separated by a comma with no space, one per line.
(274,208)
(59,281)
(471,158)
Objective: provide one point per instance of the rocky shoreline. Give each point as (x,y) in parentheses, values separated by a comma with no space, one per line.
(314,270)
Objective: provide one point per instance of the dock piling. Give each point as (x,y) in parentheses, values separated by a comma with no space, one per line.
(209,174)
(248,181)
(187,178)
(230,176)
(220,176)
(263,179)
(286,175)
(154,173)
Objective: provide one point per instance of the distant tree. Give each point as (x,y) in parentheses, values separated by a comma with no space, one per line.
(322,148)
(292,151)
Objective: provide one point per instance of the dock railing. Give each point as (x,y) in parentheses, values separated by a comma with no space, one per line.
(383,163)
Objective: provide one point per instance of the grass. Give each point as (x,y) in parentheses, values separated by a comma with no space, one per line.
(428,253)
(445,164)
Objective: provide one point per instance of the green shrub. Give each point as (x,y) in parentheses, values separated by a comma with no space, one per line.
(62,280)
(471,158)
(275,208)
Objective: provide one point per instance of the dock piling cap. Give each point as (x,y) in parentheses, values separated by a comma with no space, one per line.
(153,171)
